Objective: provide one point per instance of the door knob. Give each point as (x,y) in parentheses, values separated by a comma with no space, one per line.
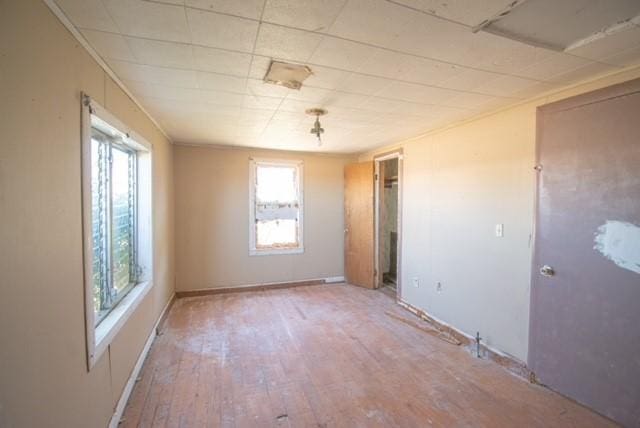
(547,270)
(346,231)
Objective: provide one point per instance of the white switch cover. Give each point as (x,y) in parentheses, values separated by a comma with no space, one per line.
(416,282)
(499,230)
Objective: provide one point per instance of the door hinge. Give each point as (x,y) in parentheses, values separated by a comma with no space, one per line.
(375,176)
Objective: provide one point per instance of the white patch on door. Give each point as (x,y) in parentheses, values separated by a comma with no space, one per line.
(619,242)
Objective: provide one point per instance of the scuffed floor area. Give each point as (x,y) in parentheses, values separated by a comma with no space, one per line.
(325,356)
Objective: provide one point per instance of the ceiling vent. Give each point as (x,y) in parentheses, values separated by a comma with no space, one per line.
(288,75)
(561,25)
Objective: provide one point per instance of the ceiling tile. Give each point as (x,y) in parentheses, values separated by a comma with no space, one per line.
(89,14)
(293,106)
(221,31)
(430,72)
(609,45)
(625,58)
(152,90)
(310,15)
(166,54)
(388,64)
(469,79)
(261,88)
(343,54)
(507,56)
(506,85)
(468,12)
(153,74)
(221,98)
(469,101)
(363,84)
(553,65)
(581,73)
(221,82)
(285,43)
(147,19)
(324,77)
(258,102)
(109,45)
(245,8)
(416,93)
(534,89)
(309,95)
(221,61)
(376,22)
(344,99)
(259,67)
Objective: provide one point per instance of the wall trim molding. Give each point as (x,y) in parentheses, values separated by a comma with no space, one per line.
(97,58)
(258,287)
(128,388)
(509,362)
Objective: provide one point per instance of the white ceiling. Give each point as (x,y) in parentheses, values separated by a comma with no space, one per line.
(385,69)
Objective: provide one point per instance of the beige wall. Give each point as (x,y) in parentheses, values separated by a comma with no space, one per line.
(458,184)
(43,372)
(212,219)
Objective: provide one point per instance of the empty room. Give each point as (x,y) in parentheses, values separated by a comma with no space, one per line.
(319,213)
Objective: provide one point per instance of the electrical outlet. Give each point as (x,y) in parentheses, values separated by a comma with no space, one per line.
(439,287)
(416,281)
(499,230)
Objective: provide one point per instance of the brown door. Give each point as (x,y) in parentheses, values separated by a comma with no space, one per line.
(358,219)
(585,315)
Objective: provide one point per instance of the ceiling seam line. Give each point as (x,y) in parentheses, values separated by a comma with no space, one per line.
(466,67)
(348,71)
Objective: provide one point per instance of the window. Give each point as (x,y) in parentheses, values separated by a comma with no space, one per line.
(113,213)
(276,207)
(116,194)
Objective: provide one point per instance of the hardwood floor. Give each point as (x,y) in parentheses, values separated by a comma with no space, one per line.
(325,356)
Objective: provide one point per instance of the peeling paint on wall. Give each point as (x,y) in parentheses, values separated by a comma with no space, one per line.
(619,242)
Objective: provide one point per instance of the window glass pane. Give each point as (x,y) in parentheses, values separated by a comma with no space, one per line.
(276,184)
(274,233)
(122,218)
(98,226)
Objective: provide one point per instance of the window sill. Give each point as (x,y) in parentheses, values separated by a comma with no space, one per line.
(275,251)
(117,318)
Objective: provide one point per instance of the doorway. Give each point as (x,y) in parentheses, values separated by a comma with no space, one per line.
(388,168)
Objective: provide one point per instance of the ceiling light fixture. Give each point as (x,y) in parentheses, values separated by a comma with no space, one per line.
(317,129)
(288,75)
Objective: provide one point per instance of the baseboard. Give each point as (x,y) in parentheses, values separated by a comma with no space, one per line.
(258,287)
(509,362)
(124,397)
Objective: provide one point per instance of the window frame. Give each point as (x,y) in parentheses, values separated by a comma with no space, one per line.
(254,163)
(99,335)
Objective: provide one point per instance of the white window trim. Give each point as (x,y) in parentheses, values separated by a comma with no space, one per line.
(98,338)
(253,164)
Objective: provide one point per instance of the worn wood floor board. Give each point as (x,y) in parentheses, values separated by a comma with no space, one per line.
(326,356)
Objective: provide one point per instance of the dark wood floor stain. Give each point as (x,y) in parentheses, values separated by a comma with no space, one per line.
(325,356)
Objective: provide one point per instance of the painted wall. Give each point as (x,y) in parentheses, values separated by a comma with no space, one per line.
(212,219)
(459,183)
(43,373)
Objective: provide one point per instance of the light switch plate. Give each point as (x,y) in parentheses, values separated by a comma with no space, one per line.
(499,230)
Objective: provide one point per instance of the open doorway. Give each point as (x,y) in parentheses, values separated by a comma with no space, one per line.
(388,169)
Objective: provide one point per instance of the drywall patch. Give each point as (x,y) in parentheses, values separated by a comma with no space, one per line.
(619,242)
